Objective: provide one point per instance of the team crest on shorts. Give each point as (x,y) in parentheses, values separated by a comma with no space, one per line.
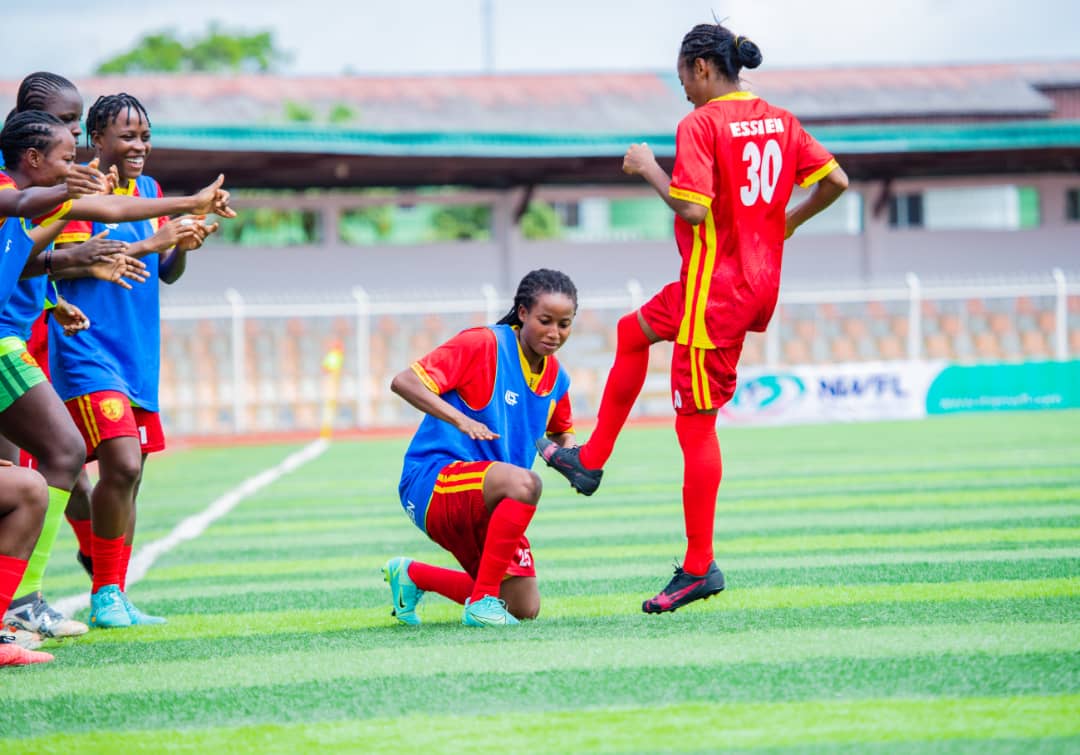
(112,409)
(25,356)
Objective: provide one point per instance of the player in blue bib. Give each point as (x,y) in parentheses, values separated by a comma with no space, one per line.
(467,481)
(108,377)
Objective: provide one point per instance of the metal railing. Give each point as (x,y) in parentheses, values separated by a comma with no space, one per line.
(255,352)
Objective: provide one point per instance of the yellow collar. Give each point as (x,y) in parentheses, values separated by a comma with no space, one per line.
(734,96)
(128,190)
(532,378)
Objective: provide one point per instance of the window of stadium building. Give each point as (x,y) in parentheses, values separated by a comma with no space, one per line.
(843,217)
(1072,205)
(267,226)
(990,208)
(421,223)
(906,211)
(598,219)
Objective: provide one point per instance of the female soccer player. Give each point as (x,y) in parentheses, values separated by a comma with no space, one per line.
(23,498)
(39,151)
(467,481)
(737,159)
(108,377)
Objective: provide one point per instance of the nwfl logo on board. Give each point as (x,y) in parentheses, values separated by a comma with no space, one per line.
(511,398)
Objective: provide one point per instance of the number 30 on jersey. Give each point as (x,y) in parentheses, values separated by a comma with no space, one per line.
(762,171)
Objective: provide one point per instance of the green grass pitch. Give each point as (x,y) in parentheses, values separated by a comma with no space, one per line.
(892,588)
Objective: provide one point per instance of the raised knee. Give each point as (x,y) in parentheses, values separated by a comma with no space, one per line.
(530,487)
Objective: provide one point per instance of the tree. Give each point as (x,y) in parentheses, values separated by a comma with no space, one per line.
(218,50)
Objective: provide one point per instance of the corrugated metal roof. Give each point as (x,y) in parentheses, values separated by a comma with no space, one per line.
(591,103)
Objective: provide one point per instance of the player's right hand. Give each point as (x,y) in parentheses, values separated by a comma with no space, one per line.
(213,200)
(476,430)
(638,157)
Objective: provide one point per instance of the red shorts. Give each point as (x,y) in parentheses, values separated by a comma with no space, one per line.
(38,348)
(38,345)
(109,414)
(457,518)
(701,379)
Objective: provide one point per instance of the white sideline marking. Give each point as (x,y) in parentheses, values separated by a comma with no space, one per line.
(195,525)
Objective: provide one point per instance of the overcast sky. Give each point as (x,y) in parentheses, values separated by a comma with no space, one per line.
(386,36)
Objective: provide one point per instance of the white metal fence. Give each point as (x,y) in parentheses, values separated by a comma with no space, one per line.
(253,365)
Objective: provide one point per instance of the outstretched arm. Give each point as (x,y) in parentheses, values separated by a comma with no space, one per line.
(38,200)
(110,208)
(825,192)
(410,387)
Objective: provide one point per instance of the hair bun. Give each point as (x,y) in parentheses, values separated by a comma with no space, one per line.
(748,53)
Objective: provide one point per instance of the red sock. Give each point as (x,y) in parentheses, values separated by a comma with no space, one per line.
(11,574)
(508,523)
(108,555)
(456,585)
(124,568)
(83,532)
(702,470)
(623,385)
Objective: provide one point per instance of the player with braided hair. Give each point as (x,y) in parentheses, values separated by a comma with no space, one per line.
(108,377)
(39,150)
(737,160)
(467,481)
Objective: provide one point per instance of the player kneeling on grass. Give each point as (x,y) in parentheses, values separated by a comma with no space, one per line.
(467,481)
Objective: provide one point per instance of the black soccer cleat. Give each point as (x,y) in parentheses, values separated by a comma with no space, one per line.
(566,461)
(685,588)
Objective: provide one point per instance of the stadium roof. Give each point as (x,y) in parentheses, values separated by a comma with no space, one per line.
(513,129)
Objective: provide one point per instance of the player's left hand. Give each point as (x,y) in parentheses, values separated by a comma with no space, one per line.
(116,268)
(70,317)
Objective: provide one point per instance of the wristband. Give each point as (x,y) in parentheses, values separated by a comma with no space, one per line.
(48,261)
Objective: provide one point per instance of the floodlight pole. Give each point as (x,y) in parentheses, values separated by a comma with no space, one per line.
(487,12)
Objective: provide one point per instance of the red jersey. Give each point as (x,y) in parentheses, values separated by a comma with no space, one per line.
(467,362)
(740,157)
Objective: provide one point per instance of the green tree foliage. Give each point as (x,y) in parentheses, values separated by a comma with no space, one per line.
(218,50)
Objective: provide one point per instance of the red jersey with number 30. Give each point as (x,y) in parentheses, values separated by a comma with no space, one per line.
(740,157)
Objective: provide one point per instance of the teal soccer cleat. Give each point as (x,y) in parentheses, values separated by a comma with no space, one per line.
(107,610)
(138,618)
(404,593)
(488,612)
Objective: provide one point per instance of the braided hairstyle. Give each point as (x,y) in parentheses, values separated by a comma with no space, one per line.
(716,43)
(533,286)
(107,109)
(33,129)
(38,89)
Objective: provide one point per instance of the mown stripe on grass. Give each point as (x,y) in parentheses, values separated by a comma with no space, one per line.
(829,542)
(229,623)
(950,675)
(377,528)
(551,566)
(530,653)
(737,725)
(312,576)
